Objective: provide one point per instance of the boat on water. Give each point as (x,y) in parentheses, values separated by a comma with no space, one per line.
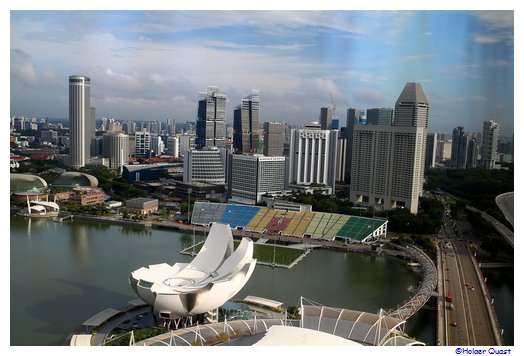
(413,264)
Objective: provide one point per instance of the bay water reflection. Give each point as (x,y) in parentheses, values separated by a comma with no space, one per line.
(63,273)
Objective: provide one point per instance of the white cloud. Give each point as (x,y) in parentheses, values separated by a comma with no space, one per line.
(23,69)
(368,97)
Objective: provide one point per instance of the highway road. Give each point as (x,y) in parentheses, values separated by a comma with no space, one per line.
(471,320)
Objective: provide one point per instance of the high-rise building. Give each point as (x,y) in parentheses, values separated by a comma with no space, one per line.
(312,159)
(187,142)
(488,149)
(351,121)
(379,116)
(431,151)
(170,123)
(118,150)
(387,165)
(173,147)
(274,134)
(157,145)
(411,108)
(204,165)
(80,120)
(211,125)
(246,124)
(326,118)
(473,151)
(142,144)
(341,159)
(253,175)
(459,147)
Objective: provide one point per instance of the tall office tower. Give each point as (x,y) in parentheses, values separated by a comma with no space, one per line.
(274,134)
(211,125)
(488,149)
(204,165)
(157,145)
(459,148)
(246,124)
(92,130)
(473,151)
(142,144)
(103,124)
(351,120)
(80,116)
(380,116)
(431,151)
(341,159)
(172,146)
(388,161)
(118,150)
(445,150)
(129,127)
(187,142)
(326,118)
(312,158)
(170,123)
(253,175)
(411,108)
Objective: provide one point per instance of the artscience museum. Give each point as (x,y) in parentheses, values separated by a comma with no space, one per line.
(215,275)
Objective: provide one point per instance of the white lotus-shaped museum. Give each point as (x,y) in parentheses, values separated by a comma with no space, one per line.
(215,275)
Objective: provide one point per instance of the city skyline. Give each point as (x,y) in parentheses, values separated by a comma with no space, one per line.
(151,65)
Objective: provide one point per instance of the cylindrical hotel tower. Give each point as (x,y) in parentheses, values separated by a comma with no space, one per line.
(79,120)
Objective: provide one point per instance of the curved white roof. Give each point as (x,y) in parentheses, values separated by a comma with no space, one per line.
(279,335)
(48,204)
(215,275)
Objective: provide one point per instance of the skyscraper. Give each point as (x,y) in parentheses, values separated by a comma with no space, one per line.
(313,158)
(246,118)
(211,125)
(80,117)
(274,134)
(411,108)
(253,175)
(387,163)
(142,143)
(173,146)
(118,150)
(204,165)
(380,116)
(459,148)
(488,149)
(351,121)
(431,150)
(326,118)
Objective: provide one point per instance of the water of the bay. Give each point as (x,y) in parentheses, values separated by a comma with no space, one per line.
(63,273)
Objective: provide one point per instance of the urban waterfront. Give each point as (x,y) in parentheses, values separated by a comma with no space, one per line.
(63,273)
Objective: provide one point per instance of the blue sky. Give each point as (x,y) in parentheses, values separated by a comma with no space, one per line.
(151,65)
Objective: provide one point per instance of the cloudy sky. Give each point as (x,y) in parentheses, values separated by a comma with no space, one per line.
(151,65)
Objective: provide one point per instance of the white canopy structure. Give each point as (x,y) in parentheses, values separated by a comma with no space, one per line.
(186,289)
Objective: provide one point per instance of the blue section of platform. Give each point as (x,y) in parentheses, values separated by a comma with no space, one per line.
(238,215)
